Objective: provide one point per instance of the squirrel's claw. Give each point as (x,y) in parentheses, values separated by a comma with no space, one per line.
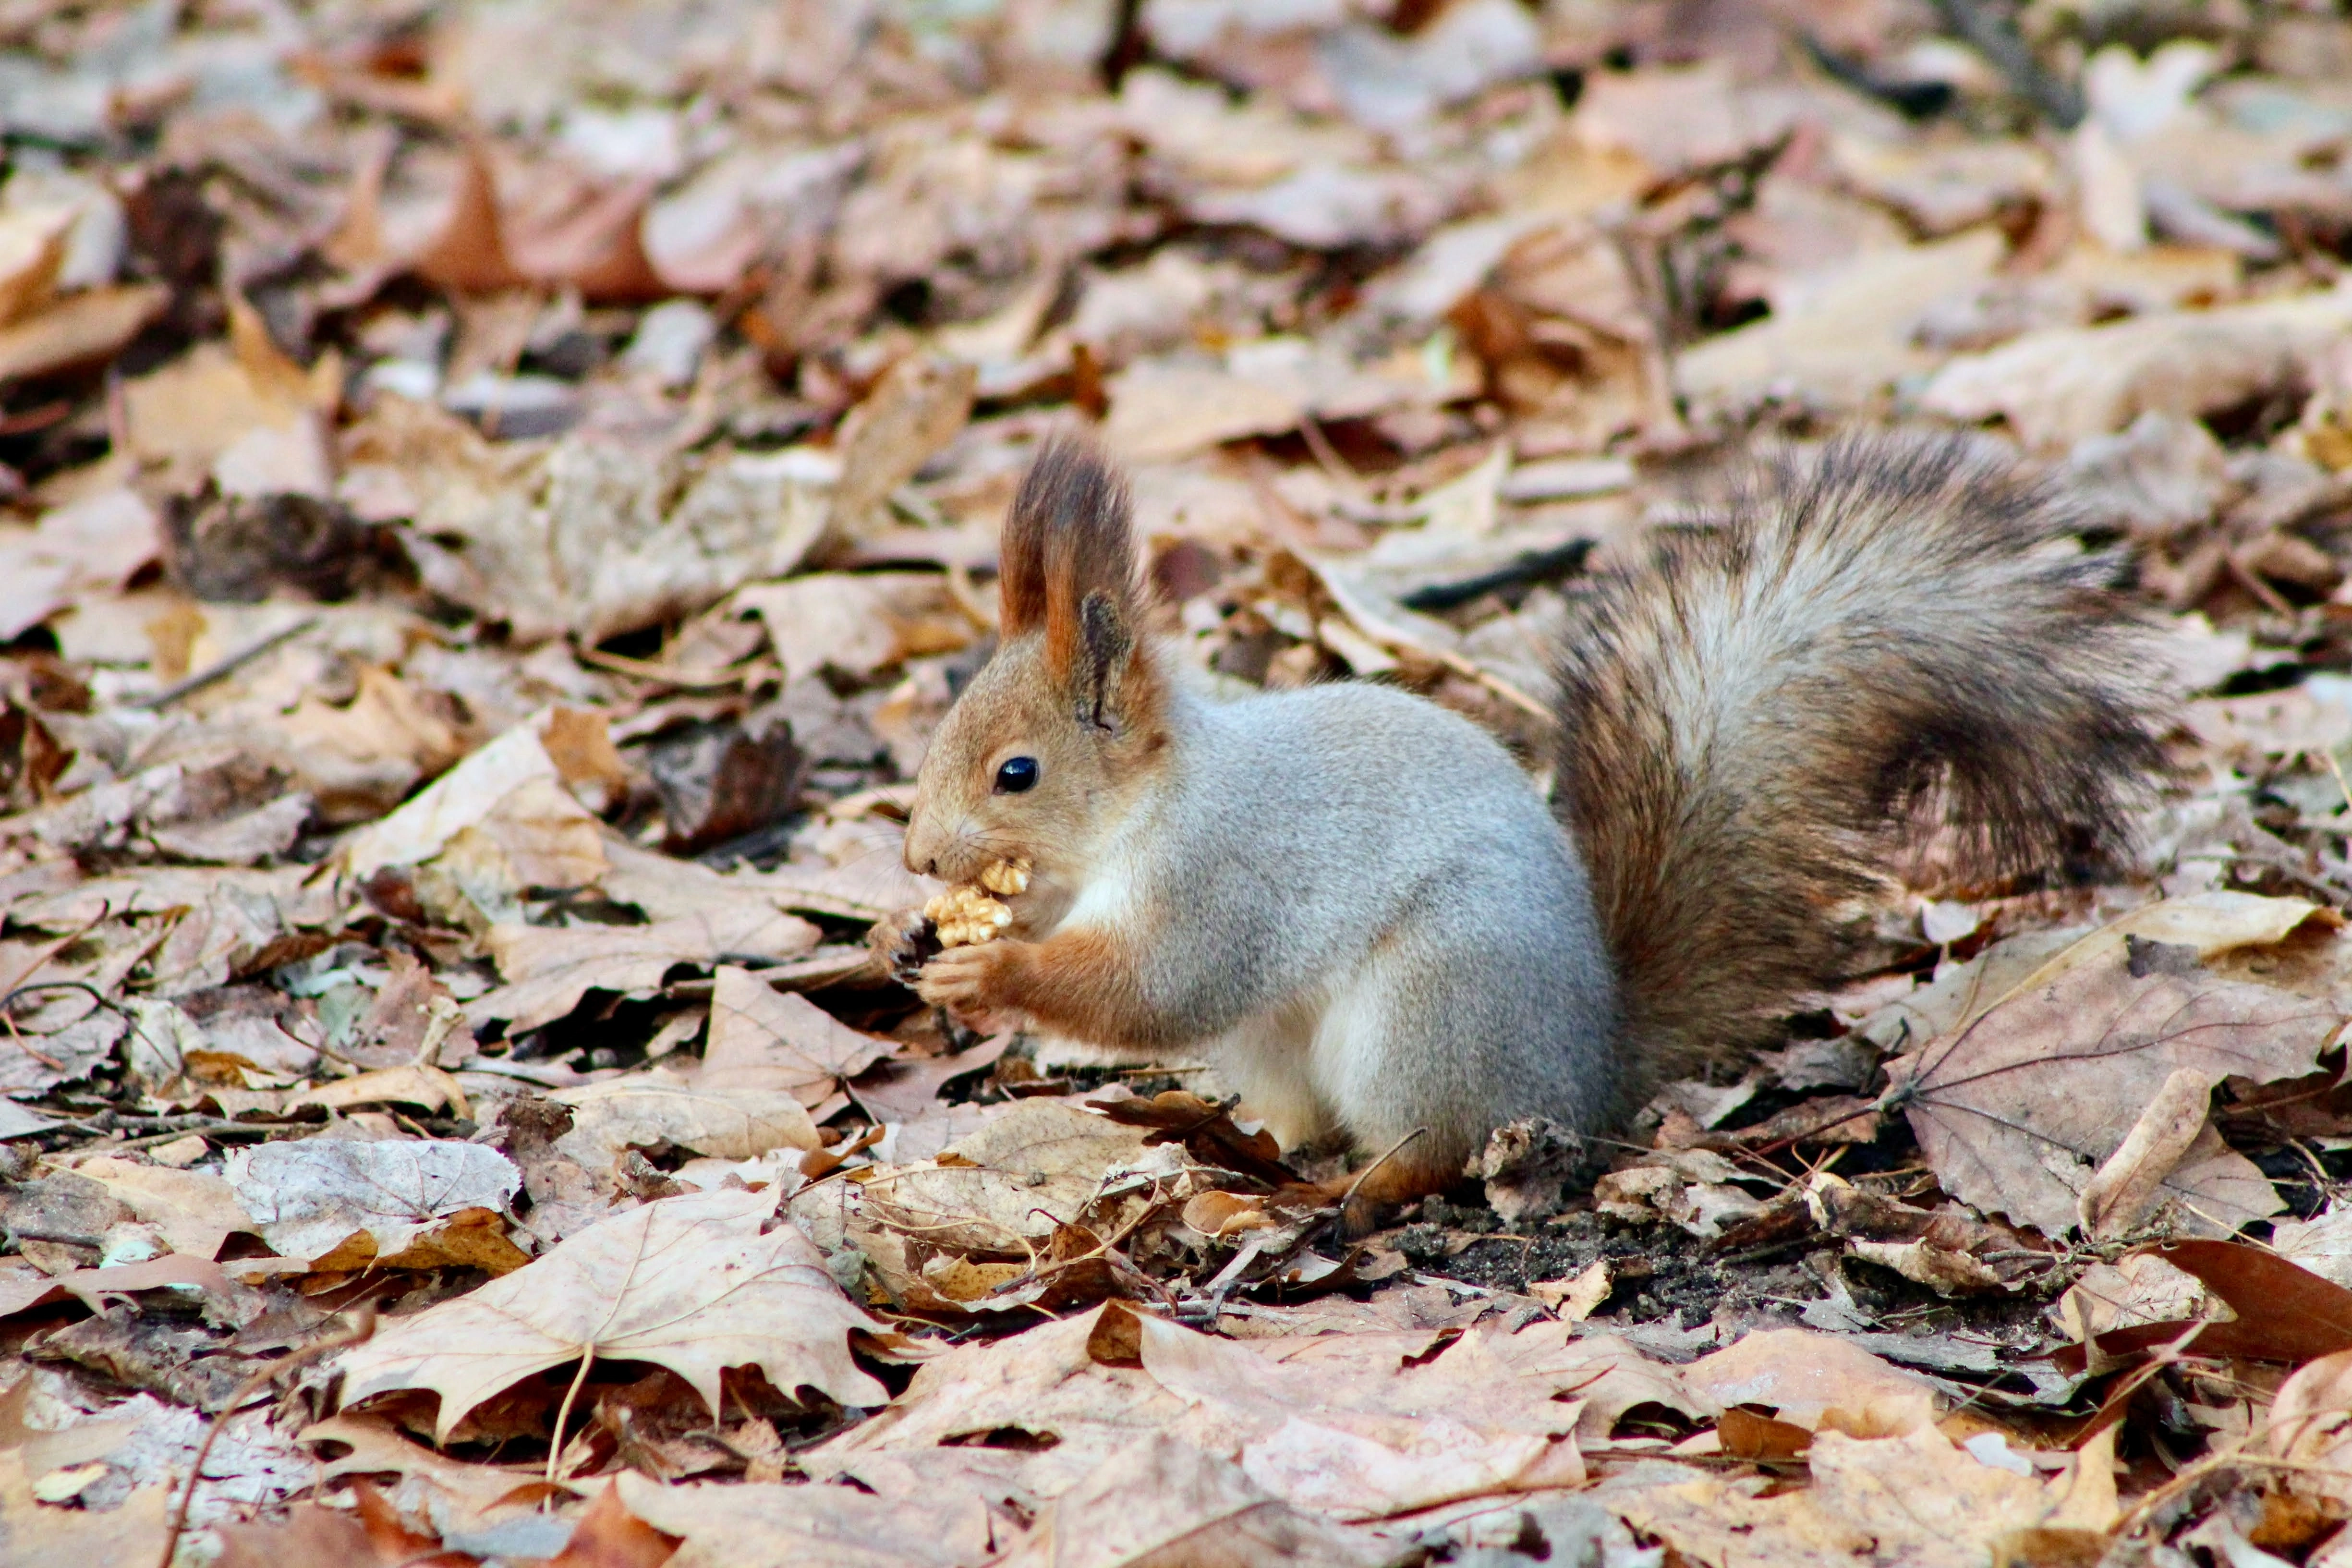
(970,981)
(904,942)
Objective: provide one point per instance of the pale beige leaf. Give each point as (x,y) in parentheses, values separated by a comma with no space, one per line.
(2139,1288)
(1917,1498)
(1848,335)
(595,535)
(1575,1299)
(765,1525)
(689,1283)
(1165,1504)
(762,1038)
(2311,1423)
(416,1085)
(194,1210)
(856,623)
(550,969)
(1020,1176)
(2059,386)
(34,1534)
(96,325)
(648,1110)
(917,408)
(1816,1380)
(2322,1244)
(2121,1191)
(474,792)
(1076,1381)
(374,1446)
(1361,1441)
(313,1197)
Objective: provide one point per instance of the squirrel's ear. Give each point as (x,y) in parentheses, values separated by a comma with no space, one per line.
(1073,509)
(1020,550)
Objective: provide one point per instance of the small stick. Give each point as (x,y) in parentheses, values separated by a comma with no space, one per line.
(679,676)
(1365,1175)
(262,1377)
(227,666)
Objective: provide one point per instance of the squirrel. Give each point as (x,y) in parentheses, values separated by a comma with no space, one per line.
(1356,905)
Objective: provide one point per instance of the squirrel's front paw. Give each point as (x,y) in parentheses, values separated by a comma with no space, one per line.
(974,981)
(904,942)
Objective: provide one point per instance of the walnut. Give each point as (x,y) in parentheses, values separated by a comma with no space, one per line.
(1006,877)
(965,916)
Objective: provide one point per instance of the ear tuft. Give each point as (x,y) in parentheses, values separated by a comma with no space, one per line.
(1106,637)
(1068,535)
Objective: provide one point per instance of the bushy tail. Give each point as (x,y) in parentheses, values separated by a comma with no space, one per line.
(1893,633)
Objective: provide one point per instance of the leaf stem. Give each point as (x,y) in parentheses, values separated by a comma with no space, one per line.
(563,1412)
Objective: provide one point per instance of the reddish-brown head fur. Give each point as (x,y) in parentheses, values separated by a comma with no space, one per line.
(1074,687)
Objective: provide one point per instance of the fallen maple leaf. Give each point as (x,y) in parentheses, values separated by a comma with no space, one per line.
(649,1109)
(328,1200)
(689,1283)
(766,1525)
(1815,1381)
(1165,1504)
(762,1038)
(1918,1500)
(2016,1109)
(550,969)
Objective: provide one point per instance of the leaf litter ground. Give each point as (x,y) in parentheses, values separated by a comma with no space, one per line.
(497,496)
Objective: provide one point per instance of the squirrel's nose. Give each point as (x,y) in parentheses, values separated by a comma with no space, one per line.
(921,850)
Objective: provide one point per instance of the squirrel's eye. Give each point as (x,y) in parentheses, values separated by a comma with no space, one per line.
(1017,775)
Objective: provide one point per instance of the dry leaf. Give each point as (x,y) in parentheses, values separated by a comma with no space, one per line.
(2016,1109)
(593,536)
(650,1111)
(374,1446)
(856,623)
(1079,1382)
(2310,1422)
(195,1211)
(1039,1166)
(1914,1499)
(1816,1380)
(328,1200)
(414,1085)
(1578,1298)
(548,971)
(917,407)
(2056,387)
(689,1283)
(1370,1438)
(35,1535)
(2121,1191)
(762,1038)
(1847,336)
(1163,1503)
(540,836)
(772,1526)
(2322,1244)
(80,330)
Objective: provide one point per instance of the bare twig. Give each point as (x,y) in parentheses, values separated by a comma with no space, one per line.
(227,666)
